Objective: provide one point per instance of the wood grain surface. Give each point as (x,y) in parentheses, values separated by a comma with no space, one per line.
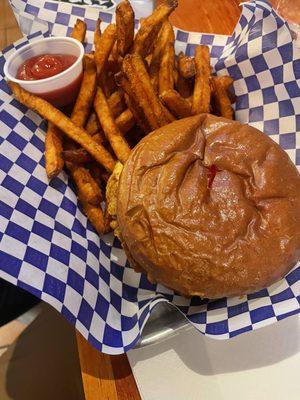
(209,16)
(9,30)
(105,377)
(110,377)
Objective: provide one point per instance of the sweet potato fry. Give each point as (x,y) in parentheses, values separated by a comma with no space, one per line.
(53,149)
(88,189)
(80,155)
(114,61)
(144,38)
(84,99)
(102,81)
(99,137)
(103,51)
(106,82)
(148,61)
(94,215)
(86,93)
(93,124)
(175,72)
(107,221)
(116,103)
(186,66)
(125,121)
(77,156)
(113,66)
(132,103)
(142,88)
(111,84)
(52,114)
(79,30)
(190,100)
(176,104)
(153,38)
(221,99)
(97,34)
(53,140)
(184,86)
(103,46)
(96,171)
(227,82)
(166,70)
(125,27)
(168,113)
(110,128)
(138,92)
(202,91)
(138,114)
(114,55)
(86,185)
(166,34)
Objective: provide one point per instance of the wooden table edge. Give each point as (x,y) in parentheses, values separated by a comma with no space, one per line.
(105,377)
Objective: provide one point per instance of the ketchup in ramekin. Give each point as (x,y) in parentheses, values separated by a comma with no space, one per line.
(50,68)
(44,66)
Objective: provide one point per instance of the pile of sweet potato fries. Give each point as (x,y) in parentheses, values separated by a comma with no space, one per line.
(131,85)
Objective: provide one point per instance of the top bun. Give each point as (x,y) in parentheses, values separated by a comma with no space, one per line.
(210,207)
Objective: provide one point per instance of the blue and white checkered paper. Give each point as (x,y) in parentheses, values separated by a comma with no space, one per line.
(48,247)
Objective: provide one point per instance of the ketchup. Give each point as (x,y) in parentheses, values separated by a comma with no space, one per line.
(44,66)
(211,173)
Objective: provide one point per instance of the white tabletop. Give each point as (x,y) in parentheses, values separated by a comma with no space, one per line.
(259,365)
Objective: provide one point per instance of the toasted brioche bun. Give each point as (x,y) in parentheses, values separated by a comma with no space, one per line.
(210,207)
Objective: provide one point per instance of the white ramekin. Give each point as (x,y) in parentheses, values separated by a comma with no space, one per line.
(52,45)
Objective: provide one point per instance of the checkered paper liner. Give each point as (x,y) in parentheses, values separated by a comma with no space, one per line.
(48,247)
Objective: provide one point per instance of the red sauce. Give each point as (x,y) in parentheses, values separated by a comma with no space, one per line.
(211,173)
(44,66)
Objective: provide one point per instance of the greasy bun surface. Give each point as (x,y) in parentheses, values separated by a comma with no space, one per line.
(210,207)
